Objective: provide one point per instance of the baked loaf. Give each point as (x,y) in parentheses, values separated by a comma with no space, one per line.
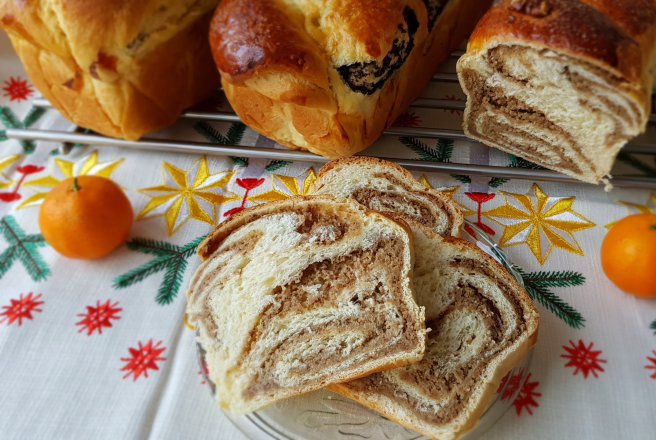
(388,188)
(297,294)
(121,68)
(482,322)
(562,83)
(329,77)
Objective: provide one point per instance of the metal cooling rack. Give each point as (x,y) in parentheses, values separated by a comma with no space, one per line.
(207,148)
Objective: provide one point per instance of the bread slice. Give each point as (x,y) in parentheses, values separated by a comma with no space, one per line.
(482,321)
(297,294)
(482,324)
(388,188)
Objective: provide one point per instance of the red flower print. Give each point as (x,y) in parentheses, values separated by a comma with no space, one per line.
(456,99)
(204,372)
(248,184)
(526,398)
(21,308)
(98,317)
(583,359)
(142,359)
(653,364)
(17,89)
(510,385)
(408,119)
(25,171)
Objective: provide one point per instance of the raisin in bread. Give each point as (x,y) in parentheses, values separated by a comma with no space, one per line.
(562,83)
(297,294)
(388,188)
(482,321)
(329,77)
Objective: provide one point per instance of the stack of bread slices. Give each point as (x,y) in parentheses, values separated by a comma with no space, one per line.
(362,288)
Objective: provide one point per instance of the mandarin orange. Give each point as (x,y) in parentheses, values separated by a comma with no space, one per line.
(628,255)
(86,217)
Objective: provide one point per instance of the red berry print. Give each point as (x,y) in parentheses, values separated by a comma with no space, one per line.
(653,364)
(98,317)
(21,308)
(24,171)
(584,359)
(204,373)
(17,89)
(526,398)
(248,184)
(143,358)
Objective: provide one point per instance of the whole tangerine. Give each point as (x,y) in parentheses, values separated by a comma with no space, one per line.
(628,255)
(86,217)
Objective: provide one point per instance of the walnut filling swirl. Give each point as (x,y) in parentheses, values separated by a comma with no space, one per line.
(440,386)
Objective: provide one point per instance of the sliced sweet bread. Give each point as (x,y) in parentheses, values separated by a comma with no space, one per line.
(297,294)
(388,188)
(482,321)
(482,324)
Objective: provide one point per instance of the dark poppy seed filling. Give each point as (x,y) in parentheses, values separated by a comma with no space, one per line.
(434,8)
(368,77)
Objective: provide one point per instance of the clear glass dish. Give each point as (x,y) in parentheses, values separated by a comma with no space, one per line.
(323,415)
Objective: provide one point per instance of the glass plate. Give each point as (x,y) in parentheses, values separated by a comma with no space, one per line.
(322,415)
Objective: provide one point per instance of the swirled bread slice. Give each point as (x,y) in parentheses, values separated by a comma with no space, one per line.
(482,321)
(562,83)
(388,188)
(482,324)
(297,294)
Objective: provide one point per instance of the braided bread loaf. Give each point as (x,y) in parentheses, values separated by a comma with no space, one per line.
(297,294)
(562,83)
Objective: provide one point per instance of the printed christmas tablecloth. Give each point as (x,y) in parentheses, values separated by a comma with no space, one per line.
(101,349)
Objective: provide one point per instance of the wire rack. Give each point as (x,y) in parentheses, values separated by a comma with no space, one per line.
(639,146)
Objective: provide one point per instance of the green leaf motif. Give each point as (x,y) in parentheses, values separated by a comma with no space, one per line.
(23,248)
(232,137)
(653,326)
(169,258)
(10,120)
(275,165)
(538,284)
(461,178)
(518,162)
(496,182)
(440,153)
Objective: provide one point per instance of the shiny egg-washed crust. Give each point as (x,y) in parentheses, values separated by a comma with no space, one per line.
(122,68)
(618,36)
(279,63)
(511,359)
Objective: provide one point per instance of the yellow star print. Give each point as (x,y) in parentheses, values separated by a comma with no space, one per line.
(540,222)
(290,184)
(183,197)
(637,208)
(5,181)
(87,166)
(451,192)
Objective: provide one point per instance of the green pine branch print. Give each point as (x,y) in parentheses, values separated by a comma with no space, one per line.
(275,165)
(169,258)
(636,163)
(518,162)
(537,285)
(496,182)
(440,153)
(233,137)
(23,248)
(461,178)
(653,326)
(10,120)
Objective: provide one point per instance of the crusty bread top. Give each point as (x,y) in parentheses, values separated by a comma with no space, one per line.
(102,36)
(617,35)
(350,176)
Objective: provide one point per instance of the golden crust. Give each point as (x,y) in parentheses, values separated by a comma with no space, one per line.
(618,36)
(279,65)
(123,80)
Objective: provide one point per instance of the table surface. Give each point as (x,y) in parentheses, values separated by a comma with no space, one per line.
(100,349)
